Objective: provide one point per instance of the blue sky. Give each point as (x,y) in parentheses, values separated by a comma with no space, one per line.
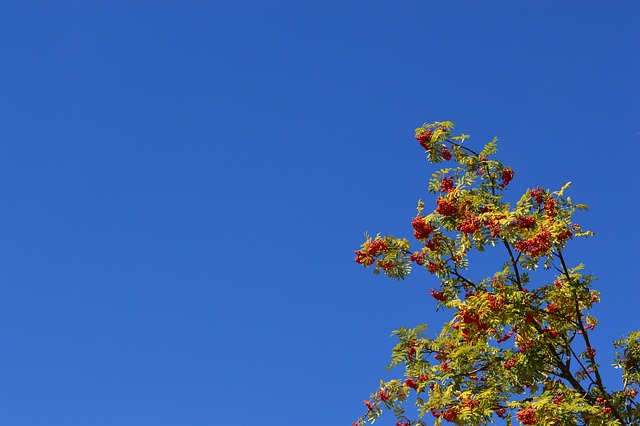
(184,183)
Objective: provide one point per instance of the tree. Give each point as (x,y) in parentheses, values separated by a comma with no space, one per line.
(517,346)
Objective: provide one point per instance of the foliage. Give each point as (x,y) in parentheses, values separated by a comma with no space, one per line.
(517,345)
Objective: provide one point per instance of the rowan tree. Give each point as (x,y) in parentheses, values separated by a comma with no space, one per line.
(517,345)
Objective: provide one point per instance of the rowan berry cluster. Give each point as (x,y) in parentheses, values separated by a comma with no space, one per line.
(450,414)
(418,258)
(564,235)
(527,416)
(465,321)
(433,267)
(446,207)
(434,243)
(495,303)
(366,256)
(470,224)
(411,353)
(446,154)
(550,207)
(363,258)
(411,383)
(424,139)
(525,222)
(383,395)
(509,363)
(438,295)
(421,229)
(494,226)
(506,177)
(386,266)
(536,246)
(603,403)
(446,185)
(537,194)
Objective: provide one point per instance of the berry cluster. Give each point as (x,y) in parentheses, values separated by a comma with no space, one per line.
(418,258)
(446,154)
(538,195)
(421,229)
(525,222)
(386,266)
(438,295)
(506,177)
(424,138)
(527,416)
(363,258)
(366,256)
(509,363)
(411,383)
(494,226)
(496,303)
(446,207)
(446,185)
(550,207)
(433,244)
(536,246)
(470,224)
(433,267)
(411,353)
(469,323)
(565,234)
(450,414)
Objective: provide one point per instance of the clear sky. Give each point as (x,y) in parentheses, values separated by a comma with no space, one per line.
(183,184)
